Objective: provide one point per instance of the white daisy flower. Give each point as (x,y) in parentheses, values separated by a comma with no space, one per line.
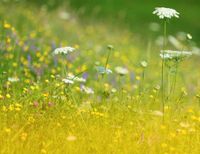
(87,90)
(67,81)
(144,64)
(189,36)
(163,13)
(75,78)
(113,90)
(165,56)
(103,70)
(64,15)
(79,79)
(63,50)
(13,79)
(121,70)
(170,54)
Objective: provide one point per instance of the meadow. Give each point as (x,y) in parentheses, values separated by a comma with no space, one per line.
(69,86)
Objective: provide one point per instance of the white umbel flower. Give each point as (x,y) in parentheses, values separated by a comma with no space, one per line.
(75,78)
(144,64)
(87,90)
(121,70)
(170,54)
(189,36)
(67,81)
(13,79)
(63,50)
(103,70)
(163,13)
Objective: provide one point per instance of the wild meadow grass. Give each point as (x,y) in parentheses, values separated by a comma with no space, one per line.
(69,87)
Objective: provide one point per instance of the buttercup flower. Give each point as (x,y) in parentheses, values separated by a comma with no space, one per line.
(71,138)
(163,13)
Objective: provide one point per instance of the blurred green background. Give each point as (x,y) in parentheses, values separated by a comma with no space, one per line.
(130,14)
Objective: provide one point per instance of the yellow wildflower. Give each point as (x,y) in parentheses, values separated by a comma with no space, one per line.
(43,151)
(71,138)
(1,96)
(7,130)
(7,26)
(23,136)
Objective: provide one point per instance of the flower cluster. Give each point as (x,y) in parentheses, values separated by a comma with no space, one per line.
(63,50)
(103,70)
(164,13)
(71,78)
(121,70)
(170,54)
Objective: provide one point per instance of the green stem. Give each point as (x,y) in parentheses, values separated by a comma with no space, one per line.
(141,89)
(64,70)
(168,85)
(106,64)
(109,52)
(163,61)
(1,50)
(2,34)
(174,85)
(172,88)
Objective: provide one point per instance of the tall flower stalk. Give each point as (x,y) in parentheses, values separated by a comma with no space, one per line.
(165,14)
(104,69)
(143,64)
(110,48)
(63,51)
(163,62)
(172,60)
